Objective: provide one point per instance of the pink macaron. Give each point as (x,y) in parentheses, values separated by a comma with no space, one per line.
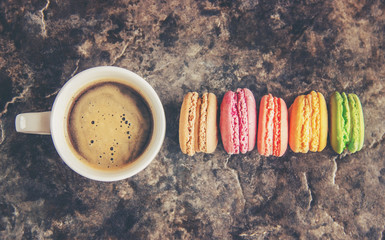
(238,121)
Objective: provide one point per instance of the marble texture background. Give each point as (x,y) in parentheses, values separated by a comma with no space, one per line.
(285,48)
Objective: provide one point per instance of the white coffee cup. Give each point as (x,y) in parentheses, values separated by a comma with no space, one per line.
(55,123)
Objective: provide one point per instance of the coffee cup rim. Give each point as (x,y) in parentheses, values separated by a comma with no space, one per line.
(62,104)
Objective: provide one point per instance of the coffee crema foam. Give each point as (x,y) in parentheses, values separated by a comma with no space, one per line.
(109,125)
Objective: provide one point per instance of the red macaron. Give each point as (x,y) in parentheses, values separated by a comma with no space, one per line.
(238,121)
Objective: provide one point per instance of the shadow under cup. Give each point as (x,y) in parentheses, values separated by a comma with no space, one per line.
(67,98)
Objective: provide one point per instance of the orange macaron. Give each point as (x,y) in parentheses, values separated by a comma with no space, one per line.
(308,123)
(272,127)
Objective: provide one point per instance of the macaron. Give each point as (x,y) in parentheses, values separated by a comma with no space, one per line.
(198,131)
(272,126)
(308,119)
(347,122)
(238,121)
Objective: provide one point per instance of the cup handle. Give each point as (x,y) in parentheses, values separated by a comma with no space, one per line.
(34,123)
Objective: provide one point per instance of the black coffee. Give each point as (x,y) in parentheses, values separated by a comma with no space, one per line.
(109,125)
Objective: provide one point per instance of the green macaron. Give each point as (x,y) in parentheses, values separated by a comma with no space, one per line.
(346,122)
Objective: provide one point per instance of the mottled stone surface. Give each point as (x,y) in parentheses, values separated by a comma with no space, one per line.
(279,47)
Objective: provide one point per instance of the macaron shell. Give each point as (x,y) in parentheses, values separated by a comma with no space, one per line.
(183,122)
(357,124)
(362,123)
(262,145)
(323,132)
(295,122)
(252,117)
(187,124)
(229,124)
(284,128)
(267,120)
(336,123)
(212,129)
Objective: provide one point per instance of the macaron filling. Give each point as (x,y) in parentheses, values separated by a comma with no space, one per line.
(306,124)
(277,127)
(235,123)
(243,121)
(315,121)
(203,123)
(345,121)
